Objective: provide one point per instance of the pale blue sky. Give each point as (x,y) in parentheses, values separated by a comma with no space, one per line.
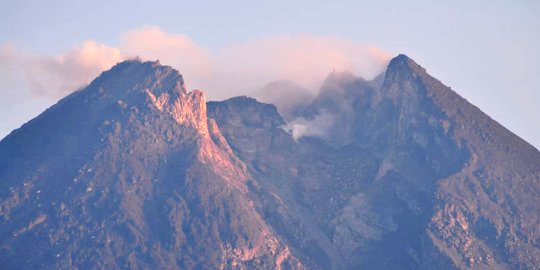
(487,51)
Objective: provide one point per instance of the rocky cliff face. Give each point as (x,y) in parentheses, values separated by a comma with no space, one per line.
(395,173)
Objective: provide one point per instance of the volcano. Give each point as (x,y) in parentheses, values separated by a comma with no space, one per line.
(398,172)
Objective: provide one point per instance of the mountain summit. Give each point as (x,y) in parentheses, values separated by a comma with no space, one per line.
(395,173)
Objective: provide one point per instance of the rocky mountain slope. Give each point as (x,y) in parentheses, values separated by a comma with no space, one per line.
(129,173)
(395,173)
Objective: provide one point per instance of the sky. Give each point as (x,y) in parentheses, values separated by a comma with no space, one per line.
(487,51)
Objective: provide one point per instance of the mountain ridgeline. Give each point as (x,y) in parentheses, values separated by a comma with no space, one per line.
(398,172)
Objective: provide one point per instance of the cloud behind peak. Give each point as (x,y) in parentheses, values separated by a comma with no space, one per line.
(237,69)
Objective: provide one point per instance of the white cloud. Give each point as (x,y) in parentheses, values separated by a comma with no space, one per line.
(237,69)
(58,75)
(194,62)
(304,59)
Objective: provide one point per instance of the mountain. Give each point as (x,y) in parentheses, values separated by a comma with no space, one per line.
(398,172)
(129,173)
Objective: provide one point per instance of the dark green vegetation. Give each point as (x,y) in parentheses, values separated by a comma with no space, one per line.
(395,173)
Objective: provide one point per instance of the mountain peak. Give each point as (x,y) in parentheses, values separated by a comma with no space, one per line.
(137,62)
(135,75)
(401,71)
(131,65)
(404,65)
